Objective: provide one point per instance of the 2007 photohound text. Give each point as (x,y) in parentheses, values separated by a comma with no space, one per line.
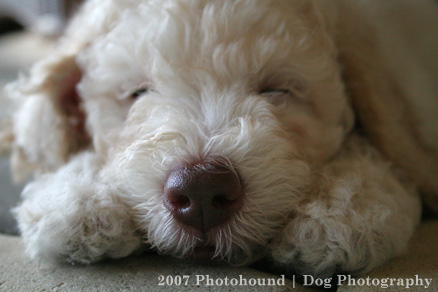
(306,280)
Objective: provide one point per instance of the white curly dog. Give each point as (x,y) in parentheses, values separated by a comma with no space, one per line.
(226,130)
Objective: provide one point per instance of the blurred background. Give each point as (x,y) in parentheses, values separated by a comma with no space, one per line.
(44,16)
(28,31)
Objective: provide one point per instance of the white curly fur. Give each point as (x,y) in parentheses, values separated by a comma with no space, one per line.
(318,198)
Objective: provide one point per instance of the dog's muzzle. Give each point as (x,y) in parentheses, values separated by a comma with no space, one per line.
(203,195)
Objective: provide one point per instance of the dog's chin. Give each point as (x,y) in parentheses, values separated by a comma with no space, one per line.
(207,254)
(205,250)
(220,244)
(204,254)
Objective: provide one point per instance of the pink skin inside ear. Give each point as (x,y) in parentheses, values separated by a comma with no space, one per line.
(70,104)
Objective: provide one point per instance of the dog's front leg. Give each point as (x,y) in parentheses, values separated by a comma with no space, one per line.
(357,215)
(70,216)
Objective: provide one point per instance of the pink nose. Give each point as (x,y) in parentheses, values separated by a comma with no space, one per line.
(203,195)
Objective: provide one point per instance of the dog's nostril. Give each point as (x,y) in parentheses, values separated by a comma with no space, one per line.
(179,201)
(203,195)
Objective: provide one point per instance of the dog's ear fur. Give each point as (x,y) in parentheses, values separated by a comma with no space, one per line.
(394,98)
(49,120)
(49,124)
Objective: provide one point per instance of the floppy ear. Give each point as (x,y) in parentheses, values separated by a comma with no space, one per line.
(395,98)
(6,136)
(49,124)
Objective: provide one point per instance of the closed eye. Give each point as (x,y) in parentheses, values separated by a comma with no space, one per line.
(139,92)
(274,91)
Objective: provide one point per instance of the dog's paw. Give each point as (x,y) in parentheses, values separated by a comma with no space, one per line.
(323,246)
(69,216)
(357,216)
(104,232)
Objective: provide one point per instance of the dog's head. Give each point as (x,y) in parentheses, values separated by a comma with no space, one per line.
(207,115)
